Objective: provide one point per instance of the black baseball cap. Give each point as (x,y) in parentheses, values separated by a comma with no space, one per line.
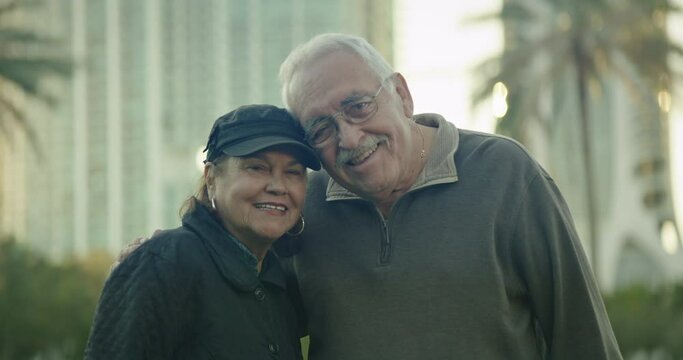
(252,128)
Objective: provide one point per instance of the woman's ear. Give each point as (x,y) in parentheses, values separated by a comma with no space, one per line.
(210,179)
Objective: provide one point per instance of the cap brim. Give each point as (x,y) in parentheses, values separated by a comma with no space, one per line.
(303,153)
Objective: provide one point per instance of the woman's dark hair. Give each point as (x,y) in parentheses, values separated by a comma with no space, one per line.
(201,195)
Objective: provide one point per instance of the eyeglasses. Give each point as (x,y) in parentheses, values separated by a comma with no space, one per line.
(356,110)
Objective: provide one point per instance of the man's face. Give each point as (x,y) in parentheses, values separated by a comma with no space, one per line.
(369,158)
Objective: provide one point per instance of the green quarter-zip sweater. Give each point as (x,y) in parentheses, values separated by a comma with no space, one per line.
(479,260)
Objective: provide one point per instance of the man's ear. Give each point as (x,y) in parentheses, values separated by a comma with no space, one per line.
(403,92)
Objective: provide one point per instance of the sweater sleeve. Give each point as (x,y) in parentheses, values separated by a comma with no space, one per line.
(139,315)
(560,285)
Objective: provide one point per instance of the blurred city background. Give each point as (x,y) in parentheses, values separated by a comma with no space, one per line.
(105,106)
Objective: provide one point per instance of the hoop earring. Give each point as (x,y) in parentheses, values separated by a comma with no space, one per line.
(303,225)
(213,203)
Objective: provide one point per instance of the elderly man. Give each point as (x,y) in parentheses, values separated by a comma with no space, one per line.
(427,241)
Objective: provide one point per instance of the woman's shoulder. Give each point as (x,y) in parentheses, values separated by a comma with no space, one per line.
(174,242)
(172,251)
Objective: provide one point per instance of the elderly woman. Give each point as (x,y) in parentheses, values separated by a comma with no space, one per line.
(212,289)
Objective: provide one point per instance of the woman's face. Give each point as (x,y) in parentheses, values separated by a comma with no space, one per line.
(259,197)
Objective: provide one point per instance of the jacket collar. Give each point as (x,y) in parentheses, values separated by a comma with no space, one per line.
(439,169)
(228,256)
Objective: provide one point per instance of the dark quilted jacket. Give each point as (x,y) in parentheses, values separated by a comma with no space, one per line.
(187,294)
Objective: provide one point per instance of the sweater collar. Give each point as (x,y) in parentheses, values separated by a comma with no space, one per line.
(440,167)
(229,257)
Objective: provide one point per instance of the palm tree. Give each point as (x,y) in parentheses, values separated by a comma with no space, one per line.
(591,40)
(26,58)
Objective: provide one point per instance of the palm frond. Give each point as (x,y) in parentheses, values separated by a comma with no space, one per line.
(27,73)
(627,71)
(509,68)
(26,57)
(5,8)
(514,12)
(9,111)
(26,37)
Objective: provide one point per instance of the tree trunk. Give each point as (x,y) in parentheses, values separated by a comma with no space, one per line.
(587,152)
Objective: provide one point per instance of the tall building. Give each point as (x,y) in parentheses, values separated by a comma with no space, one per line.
(149,79)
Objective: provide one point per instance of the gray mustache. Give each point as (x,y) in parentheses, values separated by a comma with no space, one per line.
(345,155)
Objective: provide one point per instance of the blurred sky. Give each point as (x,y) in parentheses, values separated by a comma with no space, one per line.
(436,51)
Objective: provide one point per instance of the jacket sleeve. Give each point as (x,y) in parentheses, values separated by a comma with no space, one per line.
(560,285)
(140,312)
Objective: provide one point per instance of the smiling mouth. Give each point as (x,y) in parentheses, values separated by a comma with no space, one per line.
(363,156)
(265,206)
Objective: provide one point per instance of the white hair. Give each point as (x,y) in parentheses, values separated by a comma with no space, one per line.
(320,46)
